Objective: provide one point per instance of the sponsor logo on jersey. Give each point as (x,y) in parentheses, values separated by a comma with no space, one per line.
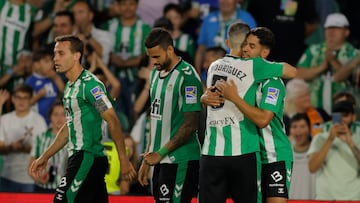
(164,190)
(191,94)
(276,176)
(97,92)
(272,96)
(76,186)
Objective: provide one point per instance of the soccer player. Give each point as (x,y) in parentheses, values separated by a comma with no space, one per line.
(86,104)
(275,148)
(175,91)
(232,140)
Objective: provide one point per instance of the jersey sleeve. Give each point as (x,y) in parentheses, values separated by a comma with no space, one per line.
(95,93)
(191,91)
(273,94)
(264,69)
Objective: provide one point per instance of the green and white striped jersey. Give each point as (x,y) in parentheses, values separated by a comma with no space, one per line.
(323,87)
(40,144)
(129,42)
(185,43)
(274,143)
(15,21)
(171,96)
(228,132)
(84,100)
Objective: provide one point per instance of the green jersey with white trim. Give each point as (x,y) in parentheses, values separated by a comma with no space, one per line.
(172,96)
(15,21)
(274,143)
(228,132)
(84,100)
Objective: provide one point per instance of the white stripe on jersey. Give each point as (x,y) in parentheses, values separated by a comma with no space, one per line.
(269,144)
(138,38)
(77,116)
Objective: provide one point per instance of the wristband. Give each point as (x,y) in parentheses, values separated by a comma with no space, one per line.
(163,151)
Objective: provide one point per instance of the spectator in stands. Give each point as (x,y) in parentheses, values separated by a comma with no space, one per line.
(182,41)
(211,55)
(50,178)
(298,101)
(321,61)
(302,184)
(16,19)
(17,129)
(63,24)
(16,75)
(334,156)
(46,18)
(46,83)
(214,28)
(130,32)
(96,40)
(290,20)
(149,11)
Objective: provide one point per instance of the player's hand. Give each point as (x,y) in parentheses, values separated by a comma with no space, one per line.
(211,98)
(152,158)
(127,170)
(143,176)
(37,167)
(225,89)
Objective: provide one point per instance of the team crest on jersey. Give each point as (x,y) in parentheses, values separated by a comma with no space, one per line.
(191,94)
(272,96)
(97,92)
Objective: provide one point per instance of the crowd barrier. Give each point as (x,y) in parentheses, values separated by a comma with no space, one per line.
(47,198)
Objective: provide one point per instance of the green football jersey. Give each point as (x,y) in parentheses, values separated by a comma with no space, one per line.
(186,44)
(15,21)
(274,143)
(228,132)
(171,96)
(129,42)
(84,100)
(323,87)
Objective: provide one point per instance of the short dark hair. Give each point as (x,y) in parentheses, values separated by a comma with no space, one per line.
(57,102)
(219,51)
(172,6)
(159,37)
(76,45)
(348,97)
(66,13)
(301,116)
(40,53)
(23,88)
(265,35)
(163,22)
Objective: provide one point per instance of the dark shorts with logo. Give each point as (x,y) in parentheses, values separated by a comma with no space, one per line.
(84,180)
(176,182)
(276,179)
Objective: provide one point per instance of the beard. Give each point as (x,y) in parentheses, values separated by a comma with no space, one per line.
(165,66)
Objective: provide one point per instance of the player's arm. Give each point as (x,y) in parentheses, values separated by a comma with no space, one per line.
(190,124)
(143,175)
(289,71)
(59,142)
(258,116)
(117,136)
